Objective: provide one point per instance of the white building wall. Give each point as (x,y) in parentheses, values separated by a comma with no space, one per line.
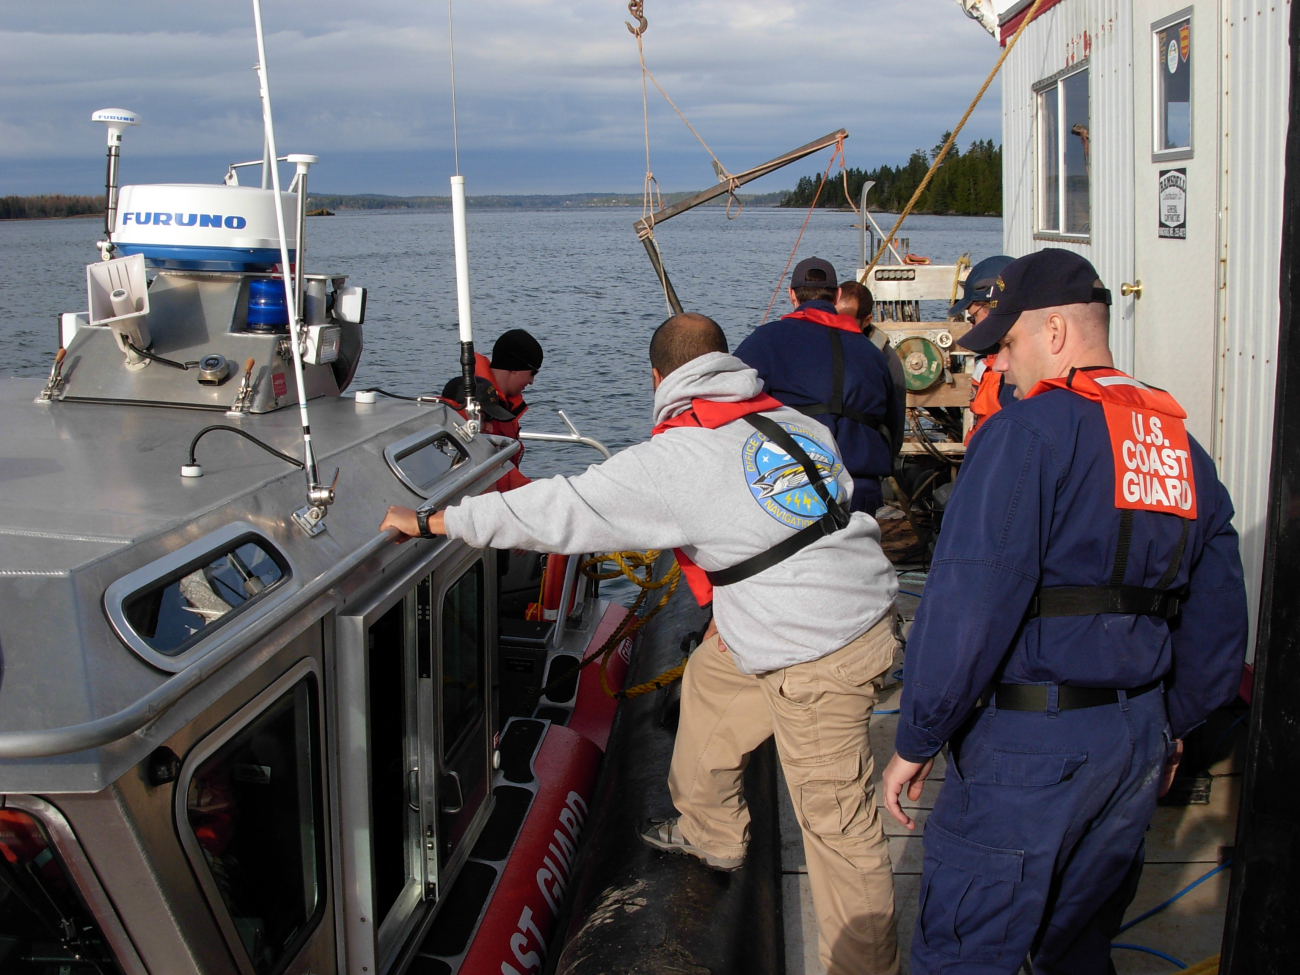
(1255,89)
(1101,31)
(1256,72)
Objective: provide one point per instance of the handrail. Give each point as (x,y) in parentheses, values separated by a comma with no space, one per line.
(570,581)
(573,437)
(114,727)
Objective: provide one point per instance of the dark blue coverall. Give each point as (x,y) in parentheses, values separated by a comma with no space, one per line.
(1041,815)
(793,358)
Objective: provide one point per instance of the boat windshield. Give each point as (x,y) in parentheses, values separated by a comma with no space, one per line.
(44,927)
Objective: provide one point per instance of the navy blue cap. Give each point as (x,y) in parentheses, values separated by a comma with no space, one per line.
(979,283)
(488,400)
(1043,279)
(813,272)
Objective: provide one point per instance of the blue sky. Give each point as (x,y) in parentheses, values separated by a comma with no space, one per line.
(549,92)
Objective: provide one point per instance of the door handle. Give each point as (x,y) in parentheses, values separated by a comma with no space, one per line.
(413,789)
(460,796)
(1134,289)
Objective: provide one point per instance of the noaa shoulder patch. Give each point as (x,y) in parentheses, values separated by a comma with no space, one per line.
(779,483)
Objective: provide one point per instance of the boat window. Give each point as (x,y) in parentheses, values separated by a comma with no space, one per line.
(393,821)
(1172,64)
(44,927)
(421,460)
(173,612)
(1064,155)
(255,810)
(463,657)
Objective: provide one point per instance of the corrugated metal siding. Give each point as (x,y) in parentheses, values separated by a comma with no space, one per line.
(1255,79)
(1102,31)
(1255,91)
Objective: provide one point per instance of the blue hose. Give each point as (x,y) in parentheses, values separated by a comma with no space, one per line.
(1209,760)
(915,595)
(1151,951)
(894,711)
(1160,907)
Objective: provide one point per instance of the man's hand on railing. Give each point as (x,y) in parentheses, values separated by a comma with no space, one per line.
(409,523)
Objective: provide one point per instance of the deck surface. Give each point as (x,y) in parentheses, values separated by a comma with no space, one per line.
(1183,844)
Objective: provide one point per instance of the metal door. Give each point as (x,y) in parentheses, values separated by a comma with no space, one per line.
(1175,286)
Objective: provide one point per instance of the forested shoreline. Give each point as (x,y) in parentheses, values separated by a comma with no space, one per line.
(49,205)
(967,184)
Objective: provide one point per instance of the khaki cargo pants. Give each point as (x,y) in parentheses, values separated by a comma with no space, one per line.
(818,712)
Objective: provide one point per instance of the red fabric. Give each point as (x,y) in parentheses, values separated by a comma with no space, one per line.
(712,414)
(984,401)
(845,323)
(1247,688)
(512,478)
(1153,470)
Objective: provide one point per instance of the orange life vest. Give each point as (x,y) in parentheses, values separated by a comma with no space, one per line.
(1153,464)
(710,414)
(984,400)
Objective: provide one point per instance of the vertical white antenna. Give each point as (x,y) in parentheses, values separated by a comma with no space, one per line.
(462,253)
(451,49)
(319,498)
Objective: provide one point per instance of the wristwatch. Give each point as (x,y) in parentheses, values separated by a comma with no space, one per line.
(422,522)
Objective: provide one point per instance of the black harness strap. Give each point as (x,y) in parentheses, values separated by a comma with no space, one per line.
(836,406)
(1117,598)
(835,518)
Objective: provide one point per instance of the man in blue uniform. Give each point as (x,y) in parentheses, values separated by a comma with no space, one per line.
(989,392)
(1087,612)
(818,362)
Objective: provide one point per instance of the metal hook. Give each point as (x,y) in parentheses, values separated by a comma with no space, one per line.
(637,9)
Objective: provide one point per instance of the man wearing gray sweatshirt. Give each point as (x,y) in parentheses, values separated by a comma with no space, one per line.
(796,646)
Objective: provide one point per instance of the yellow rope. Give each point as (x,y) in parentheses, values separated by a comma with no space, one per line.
(938,160)
(963,262)
(628,563)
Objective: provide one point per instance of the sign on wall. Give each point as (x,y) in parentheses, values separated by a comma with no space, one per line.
(1172,200)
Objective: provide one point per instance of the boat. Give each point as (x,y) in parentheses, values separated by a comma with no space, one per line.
(241,732)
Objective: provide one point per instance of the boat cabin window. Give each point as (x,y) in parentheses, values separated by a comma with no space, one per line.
(420,461)
(1064,154)
(185,599)
(254,811)
(464,699)
(1172,65)
(44,927)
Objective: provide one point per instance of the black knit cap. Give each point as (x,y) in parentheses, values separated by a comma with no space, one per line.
(516,351)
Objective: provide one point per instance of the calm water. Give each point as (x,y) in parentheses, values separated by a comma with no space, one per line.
(577,279)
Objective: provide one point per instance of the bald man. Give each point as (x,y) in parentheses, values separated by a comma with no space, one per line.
(754,497)
(1084,610)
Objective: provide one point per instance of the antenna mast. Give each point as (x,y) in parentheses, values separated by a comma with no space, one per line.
(319,497)
(462,253)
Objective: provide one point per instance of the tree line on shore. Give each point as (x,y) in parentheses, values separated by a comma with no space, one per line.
(49,205)
(967,184)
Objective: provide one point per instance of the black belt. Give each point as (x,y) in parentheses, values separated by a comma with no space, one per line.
(1033,697)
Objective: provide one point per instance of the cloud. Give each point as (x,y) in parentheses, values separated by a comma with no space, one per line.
(552,78)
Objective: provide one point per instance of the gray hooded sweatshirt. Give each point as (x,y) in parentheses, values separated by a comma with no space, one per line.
(721,496)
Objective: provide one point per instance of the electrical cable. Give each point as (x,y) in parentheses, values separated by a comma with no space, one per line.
(182,366)
(1160,907)
(409,399)
(247,436)
(1151,951)
(1209,758)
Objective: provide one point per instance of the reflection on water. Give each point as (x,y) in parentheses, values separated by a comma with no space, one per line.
(577,279)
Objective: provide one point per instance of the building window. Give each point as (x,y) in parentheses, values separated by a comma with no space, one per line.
(254,810)
(1171,62)
(1064,155)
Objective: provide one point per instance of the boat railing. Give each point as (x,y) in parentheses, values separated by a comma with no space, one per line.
(572,437)
(230,645)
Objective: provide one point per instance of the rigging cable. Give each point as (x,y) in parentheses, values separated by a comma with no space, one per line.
(952,137)
(839,151)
